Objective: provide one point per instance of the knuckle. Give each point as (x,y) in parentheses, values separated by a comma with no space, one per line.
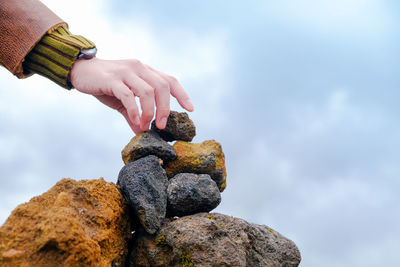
(124,69)
(135,62)
(163,85)
(148,92)
(173,79)
(126,94)
(133,110)
(148,115)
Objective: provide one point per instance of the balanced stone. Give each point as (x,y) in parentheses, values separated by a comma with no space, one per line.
(144,185)
(190,193)
(212,239)
(179,127)
(202,158)
(147,143)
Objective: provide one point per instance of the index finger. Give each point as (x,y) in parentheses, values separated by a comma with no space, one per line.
(177,91)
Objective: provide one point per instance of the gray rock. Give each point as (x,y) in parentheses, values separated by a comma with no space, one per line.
(214,239)
(144,185)
(190,193)
(147,143)
(179,127)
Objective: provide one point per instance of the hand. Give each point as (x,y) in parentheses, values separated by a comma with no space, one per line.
(115,83)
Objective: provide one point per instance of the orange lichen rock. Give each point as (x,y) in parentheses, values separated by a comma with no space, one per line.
(203,158)
(75,223)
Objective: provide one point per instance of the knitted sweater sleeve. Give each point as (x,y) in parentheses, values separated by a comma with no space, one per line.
(55,54)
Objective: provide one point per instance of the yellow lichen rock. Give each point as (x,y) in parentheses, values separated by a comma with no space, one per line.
(201,158)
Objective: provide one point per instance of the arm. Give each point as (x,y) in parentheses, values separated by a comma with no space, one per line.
(22,24)
(115,83)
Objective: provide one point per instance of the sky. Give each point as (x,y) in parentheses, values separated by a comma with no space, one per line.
(302,95)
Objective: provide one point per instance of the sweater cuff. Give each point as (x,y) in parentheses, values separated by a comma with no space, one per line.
(55,54)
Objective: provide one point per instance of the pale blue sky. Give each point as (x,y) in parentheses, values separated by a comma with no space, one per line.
(303,96)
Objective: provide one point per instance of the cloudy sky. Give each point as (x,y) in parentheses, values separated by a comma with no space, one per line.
(302,95)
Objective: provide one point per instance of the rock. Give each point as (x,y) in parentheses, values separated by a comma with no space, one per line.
(145,144)
(144,185)
(75,223)
(213,240)
(190,193)
(179,127)
(202,158)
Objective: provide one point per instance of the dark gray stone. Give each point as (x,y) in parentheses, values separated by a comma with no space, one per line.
(213,239)
(144,185)
(148,143)
(190,193)
(179,127)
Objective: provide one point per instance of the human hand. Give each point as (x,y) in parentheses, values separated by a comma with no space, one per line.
(116,83)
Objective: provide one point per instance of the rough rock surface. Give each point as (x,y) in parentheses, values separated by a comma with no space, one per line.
(214,239)
(202,158)
(75,223)
(144,185)
(179,127)
(147,143)
(190,193)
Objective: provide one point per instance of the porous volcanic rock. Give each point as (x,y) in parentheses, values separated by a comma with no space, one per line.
(213,239)
(202,158)
(145,144)
(75,223)
(179,127)
(144,185)
(190,193)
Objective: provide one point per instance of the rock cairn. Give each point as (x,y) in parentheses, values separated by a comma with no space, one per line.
(161,180)
(157,216)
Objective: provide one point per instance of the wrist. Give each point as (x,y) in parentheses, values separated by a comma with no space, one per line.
(81,68)
(55,55)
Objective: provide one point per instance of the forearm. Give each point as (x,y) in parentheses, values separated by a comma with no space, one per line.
(22,25)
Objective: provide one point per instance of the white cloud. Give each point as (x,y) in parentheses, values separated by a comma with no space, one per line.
(369,19)
(339,110)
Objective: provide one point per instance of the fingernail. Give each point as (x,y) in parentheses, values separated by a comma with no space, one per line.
(145,127)
(163,122)
(190,105)
(137,120)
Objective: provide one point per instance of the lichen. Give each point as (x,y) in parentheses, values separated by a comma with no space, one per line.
(187,258)
(211,217)
(161,241)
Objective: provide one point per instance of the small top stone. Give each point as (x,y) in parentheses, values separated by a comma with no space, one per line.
(179,127)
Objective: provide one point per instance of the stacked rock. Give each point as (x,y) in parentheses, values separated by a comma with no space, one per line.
(161,180)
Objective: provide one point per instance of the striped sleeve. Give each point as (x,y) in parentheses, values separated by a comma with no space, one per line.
(55,54)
